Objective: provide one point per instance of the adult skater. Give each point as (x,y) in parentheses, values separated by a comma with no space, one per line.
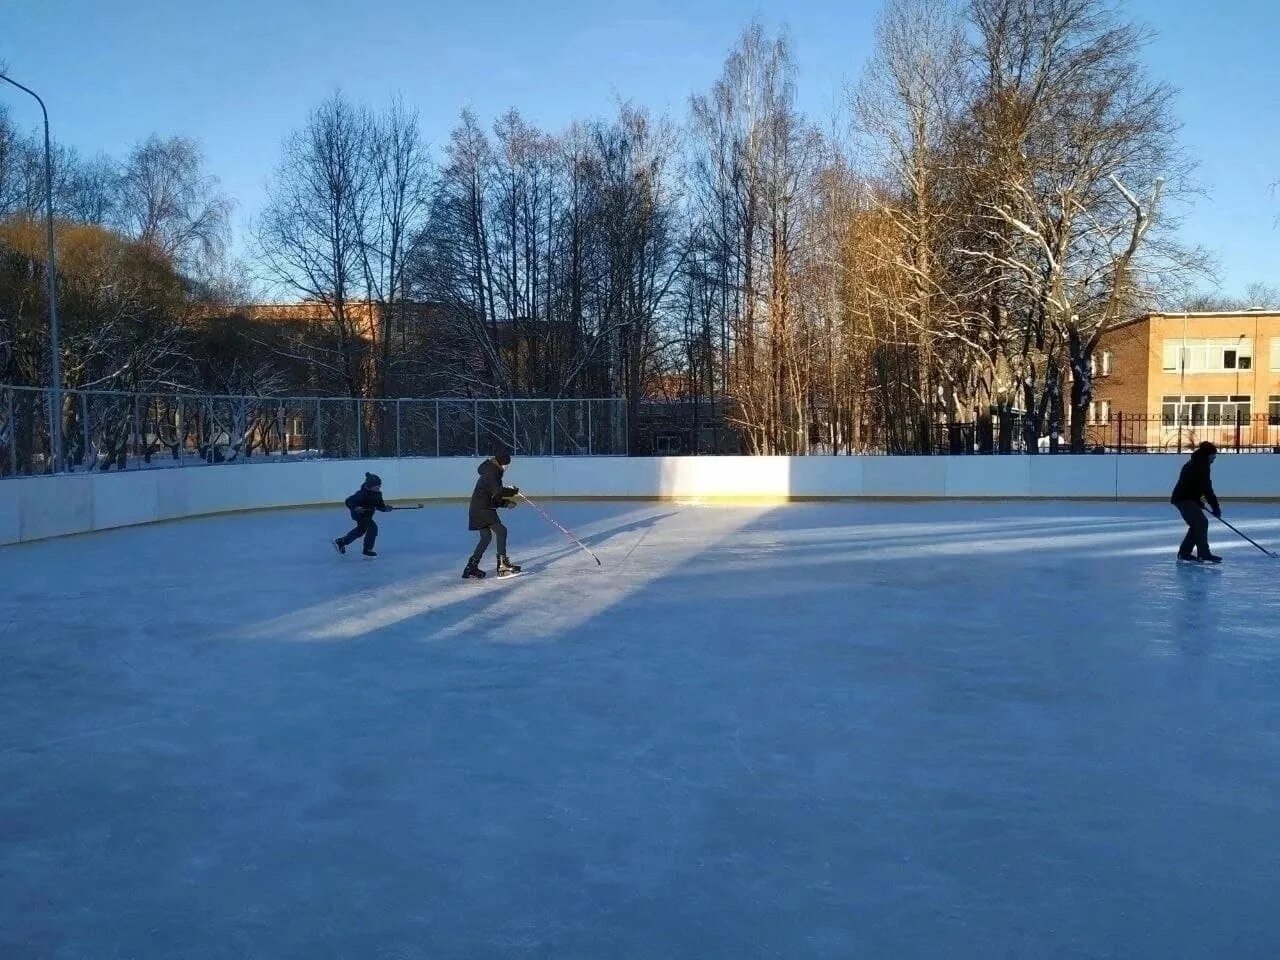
(482,515)
(1194,486)
(362,504)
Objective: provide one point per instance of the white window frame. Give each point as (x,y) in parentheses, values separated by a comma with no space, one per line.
(1099,413)
(1275,354)
(1207,355)
(1200,410)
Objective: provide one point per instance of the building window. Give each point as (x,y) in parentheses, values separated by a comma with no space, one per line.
(1100,364)
(1273,410)
(1099,412)
(1183,411)
(1275,353)
(1222,411)
(1199,411)
(1208,356)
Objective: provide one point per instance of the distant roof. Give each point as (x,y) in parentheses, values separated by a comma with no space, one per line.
(1194,315)
(1250,312)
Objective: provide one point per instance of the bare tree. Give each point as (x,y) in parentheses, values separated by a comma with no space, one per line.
(1070,221)
(311,236)
(907,108)
(401,181)
(165,199)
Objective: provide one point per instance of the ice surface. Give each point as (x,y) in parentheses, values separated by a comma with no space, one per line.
(822,730)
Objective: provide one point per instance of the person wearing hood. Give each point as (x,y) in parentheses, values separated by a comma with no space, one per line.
(1193,489)
(482,515)
(362,505)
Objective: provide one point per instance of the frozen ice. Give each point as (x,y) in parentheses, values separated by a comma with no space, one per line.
(838,730)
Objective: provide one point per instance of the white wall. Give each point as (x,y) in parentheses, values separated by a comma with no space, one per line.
(39,507)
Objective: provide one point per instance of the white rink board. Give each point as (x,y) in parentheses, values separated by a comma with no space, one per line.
(40,507)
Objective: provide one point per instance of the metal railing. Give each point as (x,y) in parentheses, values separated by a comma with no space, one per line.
(1119,433)
(109,430)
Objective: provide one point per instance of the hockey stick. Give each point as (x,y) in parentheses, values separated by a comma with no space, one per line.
(1273,556)
(547,517)
(416,506)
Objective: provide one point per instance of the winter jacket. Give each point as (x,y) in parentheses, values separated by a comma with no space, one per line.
(1194,484)
(364,501)
(488,495)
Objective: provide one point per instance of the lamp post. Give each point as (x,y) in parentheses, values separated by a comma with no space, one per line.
(51,281)
(1235,404)
(1239,340)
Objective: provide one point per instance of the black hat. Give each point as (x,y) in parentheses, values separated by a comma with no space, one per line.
(502,457)
(372,480)
(1206,449)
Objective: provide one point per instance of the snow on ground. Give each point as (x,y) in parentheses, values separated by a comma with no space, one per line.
(815,730)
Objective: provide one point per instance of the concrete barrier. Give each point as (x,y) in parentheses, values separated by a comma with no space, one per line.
(39,507)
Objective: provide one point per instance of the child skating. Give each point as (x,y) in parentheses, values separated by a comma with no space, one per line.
(482,515)
(363,504)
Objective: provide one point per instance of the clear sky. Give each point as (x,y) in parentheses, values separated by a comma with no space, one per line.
(239,74)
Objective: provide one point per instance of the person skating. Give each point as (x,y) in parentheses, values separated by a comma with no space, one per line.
(482,515)
(1194,487)
(363,504)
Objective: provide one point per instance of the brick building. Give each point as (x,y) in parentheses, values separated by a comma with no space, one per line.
(1178,378)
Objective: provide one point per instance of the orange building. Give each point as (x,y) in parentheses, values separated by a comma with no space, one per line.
(1179,378)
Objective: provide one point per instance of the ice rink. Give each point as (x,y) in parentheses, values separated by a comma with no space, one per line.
(881,730)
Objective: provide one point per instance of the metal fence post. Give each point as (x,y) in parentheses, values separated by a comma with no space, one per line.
(1119,433)
(53,426)
(397,429)
(588,403)
(553,427)
(475,428)
(319,453)
(284,440)
(359,430)
(437,428)
(84,430)
(515,436)
(13,434)
(137,428)
(1237,429)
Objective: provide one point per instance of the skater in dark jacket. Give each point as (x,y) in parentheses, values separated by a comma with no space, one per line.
(487,497)
(1193,489)
(363,504)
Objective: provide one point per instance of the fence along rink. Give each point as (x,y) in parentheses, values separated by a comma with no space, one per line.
(110,430)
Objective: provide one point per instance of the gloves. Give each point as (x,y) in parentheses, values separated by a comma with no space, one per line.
(1216,511)
(509,504)
(515,491)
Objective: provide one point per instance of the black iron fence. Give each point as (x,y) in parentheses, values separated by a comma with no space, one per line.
(1119,433)
(107,430)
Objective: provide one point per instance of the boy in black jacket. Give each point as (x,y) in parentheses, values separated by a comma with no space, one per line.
(1195,485)
(489,494)
(362,505)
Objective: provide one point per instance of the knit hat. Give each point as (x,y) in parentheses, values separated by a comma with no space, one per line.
(503,457)
(1206,449)
(372,480)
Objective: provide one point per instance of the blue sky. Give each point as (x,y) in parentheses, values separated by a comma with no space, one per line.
(239,74)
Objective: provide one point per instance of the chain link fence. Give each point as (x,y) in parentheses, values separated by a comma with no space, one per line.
(107,430)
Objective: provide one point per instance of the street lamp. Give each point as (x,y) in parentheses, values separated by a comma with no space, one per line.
(51,280)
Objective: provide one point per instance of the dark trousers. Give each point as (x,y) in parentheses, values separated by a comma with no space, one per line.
(1197,528)
(365,527)
(486,534)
